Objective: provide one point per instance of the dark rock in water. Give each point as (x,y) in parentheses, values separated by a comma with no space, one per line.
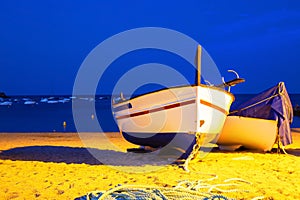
(296,110)
(3,95)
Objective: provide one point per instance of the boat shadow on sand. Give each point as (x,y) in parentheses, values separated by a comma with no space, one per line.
(93,156)
(295,152)
(81,155)
(289,151)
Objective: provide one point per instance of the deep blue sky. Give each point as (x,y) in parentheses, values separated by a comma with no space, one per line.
(43,42)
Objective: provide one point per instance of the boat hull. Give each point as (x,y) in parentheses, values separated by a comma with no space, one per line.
(251,133)
(155,118)
(156,140)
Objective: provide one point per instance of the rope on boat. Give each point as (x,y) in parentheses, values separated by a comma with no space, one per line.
(254,104)
(280,93)
(195,150)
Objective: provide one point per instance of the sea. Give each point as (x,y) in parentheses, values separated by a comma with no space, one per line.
(54,113)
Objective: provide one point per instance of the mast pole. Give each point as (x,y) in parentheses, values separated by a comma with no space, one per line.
(199,65)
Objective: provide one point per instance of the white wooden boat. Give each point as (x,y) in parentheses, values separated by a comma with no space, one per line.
(5,103)
(186,109)
(153,119)
(251,133)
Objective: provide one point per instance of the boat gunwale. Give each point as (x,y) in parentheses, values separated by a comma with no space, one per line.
(159,90)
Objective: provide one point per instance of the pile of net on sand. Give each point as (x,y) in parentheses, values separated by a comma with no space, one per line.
(199,189)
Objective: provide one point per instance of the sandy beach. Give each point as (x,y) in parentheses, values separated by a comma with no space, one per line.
(59,166)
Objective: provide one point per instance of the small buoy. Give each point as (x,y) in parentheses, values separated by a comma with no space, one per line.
(93,116)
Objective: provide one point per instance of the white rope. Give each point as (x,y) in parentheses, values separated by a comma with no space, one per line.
(259,102)
(202,184)
(185,189)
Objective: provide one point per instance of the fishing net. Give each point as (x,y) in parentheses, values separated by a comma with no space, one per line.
(127,192)
(200,189)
